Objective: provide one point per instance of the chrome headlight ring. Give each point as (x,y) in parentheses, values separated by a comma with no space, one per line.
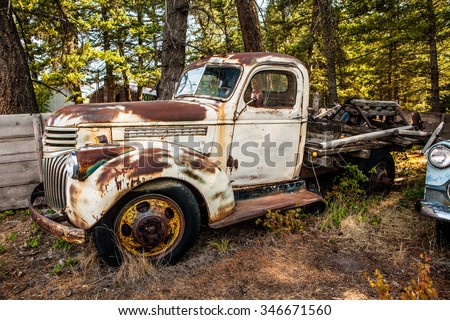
(439,156)
(72,165)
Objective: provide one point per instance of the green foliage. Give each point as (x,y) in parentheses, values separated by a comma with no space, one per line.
(12,236)
(382,47)
(58,268)
(223,244)
(2,248)
(348,197)
(413,193)
(9,212)
(216,29)
(289,221)
(33,241)
(43,95)
(21,213)
(419,288)
(62,244)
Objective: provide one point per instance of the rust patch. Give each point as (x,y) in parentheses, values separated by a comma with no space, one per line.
(224,211)
(198,161)
(90,159)
(218,195)
(143,110)
(74,194)
(68,233)
(193,175)
(148,162)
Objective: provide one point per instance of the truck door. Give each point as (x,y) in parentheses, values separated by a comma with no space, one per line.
(266,134)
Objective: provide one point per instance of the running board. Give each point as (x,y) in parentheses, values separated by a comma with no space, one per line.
(256,207)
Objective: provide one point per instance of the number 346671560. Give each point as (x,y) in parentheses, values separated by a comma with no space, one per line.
(296,309)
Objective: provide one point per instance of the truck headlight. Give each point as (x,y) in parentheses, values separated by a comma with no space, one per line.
(72,167)
(439,156)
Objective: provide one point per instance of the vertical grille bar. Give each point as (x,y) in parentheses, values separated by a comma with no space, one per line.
(55,179)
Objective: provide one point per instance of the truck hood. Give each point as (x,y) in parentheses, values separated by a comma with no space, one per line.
(129,112)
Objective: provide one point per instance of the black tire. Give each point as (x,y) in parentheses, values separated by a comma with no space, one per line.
(161,225)
(442,233)
(380,169)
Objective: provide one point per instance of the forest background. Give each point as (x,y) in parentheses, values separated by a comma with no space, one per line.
(374,49)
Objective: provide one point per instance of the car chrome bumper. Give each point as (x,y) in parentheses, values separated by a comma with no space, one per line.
(52,224)
(433,210)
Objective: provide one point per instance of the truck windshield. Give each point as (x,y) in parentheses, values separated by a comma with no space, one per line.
(211,81)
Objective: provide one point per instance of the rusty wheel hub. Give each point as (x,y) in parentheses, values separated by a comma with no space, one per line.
(150,230)
(151,225)
(380,179)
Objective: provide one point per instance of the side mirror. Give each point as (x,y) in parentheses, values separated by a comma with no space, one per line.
(257,97)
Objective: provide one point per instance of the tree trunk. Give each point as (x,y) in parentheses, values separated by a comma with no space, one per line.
(250,26)
(434,68)
(174,46)
(140,20)
(313,30)
(328,25)
(16,88)
(109,84)
(126,79)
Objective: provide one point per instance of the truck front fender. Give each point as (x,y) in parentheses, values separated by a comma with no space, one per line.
(90,199)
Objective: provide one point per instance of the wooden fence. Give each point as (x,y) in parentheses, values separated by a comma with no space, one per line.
(21,154)
(20,157)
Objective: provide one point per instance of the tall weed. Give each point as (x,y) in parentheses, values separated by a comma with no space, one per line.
(348,198)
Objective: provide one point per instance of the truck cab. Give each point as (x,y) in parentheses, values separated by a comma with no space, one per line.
(140,177)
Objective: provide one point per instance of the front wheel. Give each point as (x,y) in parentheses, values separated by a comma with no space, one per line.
(380,169)
(160,225)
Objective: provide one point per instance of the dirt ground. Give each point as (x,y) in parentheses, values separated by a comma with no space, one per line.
(244,261)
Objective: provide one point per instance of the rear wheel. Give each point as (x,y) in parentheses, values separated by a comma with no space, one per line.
(161,225)
(380,169)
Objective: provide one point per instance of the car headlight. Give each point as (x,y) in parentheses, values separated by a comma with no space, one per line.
(439,156)
(72,167)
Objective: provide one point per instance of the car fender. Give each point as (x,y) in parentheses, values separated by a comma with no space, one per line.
(88,200)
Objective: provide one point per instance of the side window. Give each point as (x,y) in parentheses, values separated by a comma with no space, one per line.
(279,89)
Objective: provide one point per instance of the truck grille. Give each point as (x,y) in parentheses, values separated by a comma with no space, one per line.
(158,131)
(61,137)
(55,179)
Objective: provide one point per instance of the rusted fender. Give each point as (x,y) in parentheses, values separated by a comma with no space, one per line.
(89,199)
(68,233)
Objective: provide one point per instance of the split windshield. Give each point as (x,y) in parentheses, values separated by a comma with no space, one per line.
(212,81)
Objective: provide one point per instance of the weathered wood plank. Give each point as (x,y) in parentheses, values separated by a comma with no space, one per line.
(19,173)
(18,149)
(16,125)
(38,130)
(15,197)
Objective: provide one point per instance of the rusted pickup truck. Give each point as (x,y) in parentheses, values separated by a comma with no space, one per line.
(234,142)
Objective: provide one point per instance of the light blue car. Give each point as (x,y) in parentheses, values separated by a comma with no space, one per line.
(436,202)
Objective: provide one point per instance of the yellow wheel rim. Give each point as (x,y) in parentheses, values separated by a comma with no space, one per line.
(150,225)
